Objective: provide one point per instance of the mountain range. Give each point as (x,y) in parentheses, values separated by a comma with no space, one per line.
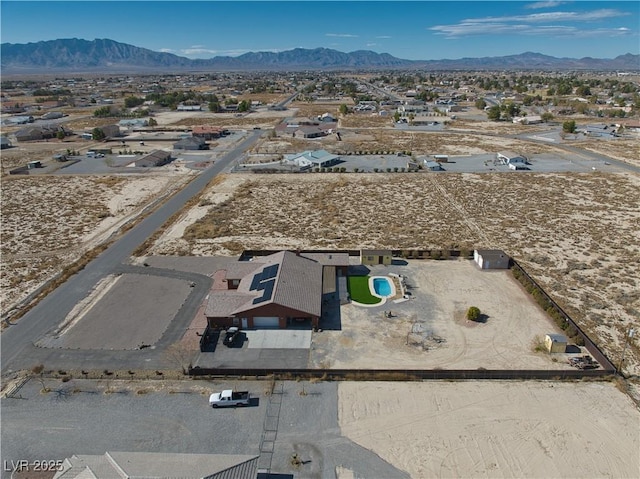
(109,56)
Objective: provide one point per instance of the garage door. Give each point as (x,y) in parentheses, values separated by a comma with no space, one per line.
(266,322)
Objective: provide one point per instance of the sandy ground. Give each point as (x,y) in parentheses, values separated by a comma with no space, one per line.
(430,331)
(495,429)
(48,222)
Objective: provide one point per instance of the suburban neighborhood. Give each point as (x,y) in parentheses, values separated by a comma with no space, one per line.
(320,273)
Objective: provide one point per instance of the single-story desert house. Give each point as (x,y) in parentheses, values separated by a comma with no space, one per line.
(527,120)
(433,165)
(373,257)
(272,291)
(315,158)
(491,259)
(155,158)
(207,132)
(509,157)
(34,133)
(133,123)
(183,107)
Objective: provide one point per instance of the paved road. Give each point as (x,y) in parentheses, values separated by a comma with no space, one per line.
(18,339)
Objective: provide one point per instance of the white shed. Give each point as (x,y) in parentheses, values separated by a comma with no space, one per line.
(555,343)
(491,259)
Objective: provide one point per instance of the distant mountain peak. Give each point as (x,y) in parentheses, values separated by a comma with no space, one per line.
(105,55)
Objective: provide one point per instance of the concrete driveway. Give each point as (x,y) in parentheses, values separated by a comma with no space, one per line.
(278,339)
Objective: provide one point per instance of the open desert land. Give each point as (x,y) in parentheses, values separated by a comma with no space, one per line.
(48,222)
(495,429)
(575,233)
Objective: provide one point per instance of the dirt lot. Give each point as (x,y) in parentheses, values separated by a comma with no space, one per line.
(495,429)
(49,221)
(576,233)
(443,338)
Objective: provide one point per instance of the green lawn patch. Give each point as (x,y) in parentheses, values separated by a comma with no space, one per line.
(358,287)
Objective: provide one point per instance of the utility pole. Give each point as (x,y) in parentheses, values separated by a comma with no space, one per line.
(629,335)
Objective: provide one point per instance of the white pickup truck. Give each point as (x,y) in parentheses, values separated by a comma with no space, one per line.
(228,397)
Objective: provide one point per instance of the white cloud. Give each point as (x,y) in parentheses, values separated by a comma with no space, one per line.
(553,17)
(167,50)
(198,51)
(549,4)
(371,44)
(533,24)
(384,36)
(462,30)
(341,35)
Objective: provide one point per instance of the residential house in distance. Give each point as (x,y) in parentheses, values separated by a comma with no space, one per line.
(313,159)
(35,133)
(510,158)
(187,107)
(191,143)
(18,120)
(432,165)
(527,120)
(130,123)
(110,131)
(207,132)
(155,158)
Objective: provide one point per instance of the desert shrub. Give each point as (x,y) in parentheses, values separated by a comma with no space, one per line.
(473,313)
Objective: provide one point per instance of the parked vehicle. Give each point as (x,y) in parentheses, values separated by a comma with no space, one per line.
(229,397)
(231,337)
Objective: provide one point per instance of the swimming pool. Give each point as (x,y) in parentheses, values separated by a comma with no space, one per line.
(382,287)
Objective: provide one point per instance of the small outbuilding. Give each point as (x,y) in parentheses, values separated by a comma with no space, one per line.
(372,257)
(491,259)
(555,343)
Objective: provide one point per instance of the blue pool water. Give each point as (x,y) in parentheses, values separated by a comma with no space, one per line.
(382,286)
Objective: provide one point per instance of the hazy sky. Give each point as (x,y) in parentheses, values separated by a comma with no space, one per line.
(415,30)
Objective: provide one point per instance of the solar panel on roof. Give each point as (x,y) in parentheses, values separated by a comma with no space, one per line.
(270,271)
(267,288)
(255,282)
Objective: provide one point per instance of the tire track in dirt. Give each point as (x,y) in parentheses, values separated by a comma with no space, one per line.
(449,200)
